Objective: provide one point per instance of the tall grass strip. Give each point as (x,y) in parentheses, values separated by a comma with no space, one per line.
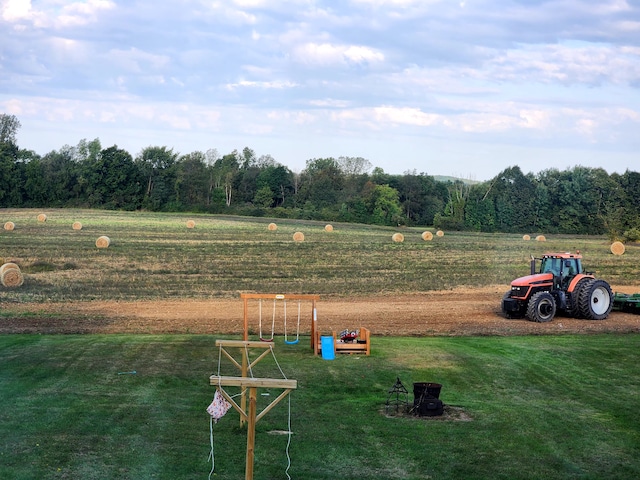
(103,242)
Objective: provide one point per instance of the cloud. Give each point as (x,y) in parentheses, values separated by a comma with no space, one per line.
(14,10)
(326,54)
(51,13)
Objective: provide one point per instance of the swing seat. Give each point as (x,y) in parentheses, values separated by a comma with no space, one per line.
(292,342)
(266,339)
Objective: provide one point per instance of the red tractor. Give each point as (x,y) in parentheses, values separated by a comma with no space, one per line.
(561,285)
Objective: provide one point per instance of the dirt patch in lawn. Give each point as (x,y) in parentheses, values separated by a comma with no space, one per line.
(461,311)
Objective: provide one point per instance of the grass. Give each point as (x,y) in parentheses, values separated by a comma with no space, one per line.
(537,407)
(154,255)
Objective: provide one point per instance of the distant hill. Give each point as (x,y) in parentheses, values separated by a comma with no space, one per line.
(444,178)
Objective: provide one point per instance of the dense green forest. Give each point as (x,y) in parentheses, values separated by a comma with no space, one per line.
(346,189)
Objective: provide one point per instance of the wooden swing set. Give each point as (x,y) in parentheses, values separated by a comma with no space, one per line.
(361,344)
(277,297)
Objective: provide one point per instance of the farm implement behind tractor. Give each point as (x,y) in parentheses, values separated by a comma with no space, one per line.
(627,303)
(560,284)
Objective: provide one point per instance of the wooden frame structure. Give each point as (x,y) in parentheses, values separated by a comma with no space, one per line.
(278,296)
(362,345)
(250,415)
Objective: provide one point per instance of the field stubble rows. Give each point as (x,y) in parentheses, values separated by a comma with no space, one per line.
(155,256)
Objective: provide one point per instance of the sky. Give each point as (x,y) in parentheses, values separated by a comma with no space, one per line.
(465,88)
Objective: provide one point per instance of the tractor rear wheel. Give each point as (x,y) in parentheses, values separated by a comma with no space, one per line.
(541,308)
(573,304)
(595,300)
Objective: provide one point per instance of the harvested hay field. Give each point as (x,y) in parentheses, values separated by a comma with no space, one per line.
(457,312)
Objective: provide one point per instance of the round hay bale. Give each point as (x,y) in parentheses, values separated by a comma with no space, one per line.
(42,217)
(103,242)
(12,278)
(440,233)
(191,224)
(272,227)
(427,235)
(526,237)
(9,226)
(76,226)
(541,238)
(617,248)
(8,266)
(298,237)
(328,228)
(397,237)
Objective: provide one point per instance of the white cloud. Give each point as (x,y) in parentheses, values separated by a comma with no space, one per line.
(325,54)
(406,116)
(278,85)
(14,10)
(59,14)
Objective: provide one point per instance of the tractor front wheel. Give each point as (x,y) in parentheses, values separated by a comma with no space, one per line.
(541,308)
(595,300)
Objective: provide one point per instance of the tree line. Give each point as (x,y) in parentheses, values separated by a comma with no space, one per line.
(345,189)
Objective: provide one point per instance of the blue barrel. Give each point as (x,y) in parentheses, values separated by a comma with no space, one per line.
(326,345)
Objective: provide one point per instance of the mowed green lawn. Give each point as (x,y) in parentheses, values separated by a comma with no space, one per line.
(526,407)
(562,407)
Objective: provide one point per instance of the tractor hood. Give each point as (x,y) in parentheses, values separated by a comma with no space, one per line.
(532,280)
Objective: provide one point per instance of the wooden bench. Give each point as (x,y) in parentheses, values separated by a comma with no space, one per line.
(362,345)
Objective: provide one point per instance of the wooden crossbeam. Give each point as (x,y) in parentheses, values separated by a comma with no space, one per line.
(249,382)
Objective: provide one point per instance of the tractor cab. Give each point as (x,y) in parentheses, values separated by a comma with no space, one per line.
(563,267)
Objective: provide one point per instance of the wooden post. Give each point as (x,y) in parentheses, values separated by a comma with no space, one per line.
(243,394)
(252,415)
(246,318)
(251,432)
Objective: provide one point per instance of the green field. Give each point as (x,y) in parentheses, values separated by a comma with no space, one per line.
(553,407)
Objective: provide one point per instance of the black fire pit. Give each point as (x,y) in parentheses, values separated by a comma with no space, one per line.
(426,399)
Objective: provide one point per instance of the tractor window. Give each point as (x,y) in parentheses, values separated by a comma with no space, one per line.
(550,265)
(569,268)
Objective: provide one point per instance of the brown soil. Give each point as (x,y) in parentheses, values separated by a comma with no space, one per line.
(462,311)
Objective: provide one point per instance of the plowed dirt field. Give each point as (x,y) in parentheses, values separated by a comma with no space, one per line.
(461,311)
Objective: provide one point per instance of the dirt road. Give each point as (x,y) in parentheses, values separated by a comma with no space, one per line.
(461,311)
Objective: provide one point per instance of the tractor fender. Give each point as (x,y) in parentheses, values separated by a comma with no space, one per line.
(576,279)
